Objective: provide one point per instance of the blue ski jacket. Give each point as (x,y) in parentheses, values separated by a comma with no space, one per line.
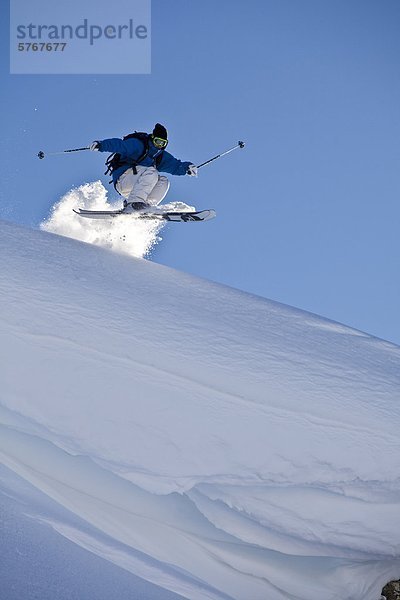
(133,148)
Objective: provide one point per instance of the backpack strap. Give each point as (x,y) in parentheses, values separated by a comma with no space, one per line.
(144,138)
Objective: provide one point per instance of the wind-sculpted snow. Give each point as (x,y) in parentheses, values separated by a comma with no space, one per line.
(215,443)
(127,235)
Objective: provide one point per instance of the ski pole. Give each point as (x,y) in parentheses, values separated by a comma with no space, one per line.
(41,153)
(238,145)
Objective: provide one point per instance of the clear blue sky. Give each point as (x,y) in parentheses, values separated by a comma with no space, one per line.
(309,212)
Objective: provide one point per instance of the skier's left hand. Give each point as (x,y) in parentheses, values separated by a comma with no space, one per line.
(94,146)
(192,170)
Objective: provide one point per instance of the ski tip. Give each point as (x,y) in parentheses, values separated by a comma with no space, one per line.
(208,214)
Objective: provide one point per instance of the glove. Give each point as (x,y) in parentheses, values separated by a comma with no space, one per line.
(94,146)
(192,171)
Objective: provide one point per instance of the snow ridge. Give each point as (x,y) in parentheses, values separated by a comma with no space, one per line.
(215,443)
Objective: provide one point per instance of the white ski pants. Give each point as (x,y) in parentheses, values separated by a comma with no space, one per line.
(147,186)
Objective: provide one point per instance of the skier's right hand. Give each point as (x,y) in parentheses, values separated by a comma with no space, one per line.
(94,146)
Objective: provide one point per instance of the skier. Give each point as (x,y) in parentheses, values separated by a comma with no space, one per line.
(135,165)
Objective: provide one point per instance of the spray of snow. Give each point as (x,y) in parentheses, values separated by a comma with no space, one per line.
(127,235)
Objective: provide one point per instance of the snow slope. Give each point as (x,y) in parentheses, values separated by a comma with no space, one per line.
(212,442)
(37,563)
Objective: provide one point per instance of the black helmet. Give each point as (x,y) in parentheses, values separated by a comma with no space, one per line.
(160,131)
(159,137)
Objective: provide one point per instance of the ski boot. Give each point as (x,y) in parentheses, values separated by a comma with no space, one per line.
(135,206)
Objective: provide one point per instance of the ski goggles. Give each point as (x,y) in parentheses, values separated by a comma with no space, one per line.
(159,142)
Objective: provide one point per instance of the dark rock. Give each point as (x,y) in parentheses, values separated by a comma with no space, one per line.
(391,591)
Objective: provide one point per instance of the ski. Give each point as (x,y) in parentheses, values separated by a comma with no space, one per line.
(180,216)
